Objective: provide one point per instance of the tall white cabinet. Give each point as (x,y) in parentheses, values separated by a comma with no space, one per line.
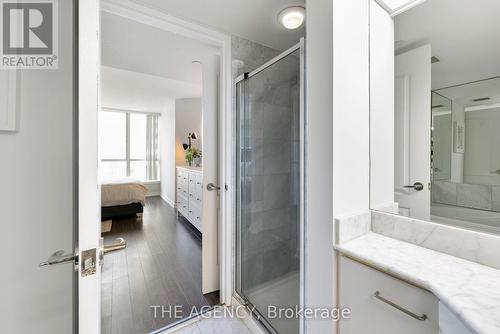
(189,193)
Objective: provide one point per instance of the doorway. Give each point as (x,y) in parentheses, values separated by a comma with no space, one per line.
(159,111)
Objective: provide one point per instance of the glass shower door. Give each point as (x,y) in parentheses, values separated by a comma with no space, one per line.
(269,196)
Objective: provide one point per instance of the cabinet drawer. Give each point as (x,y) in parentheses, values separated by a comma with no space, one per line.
(358,285)
(183,205)
(192,180)
(195,216)
(199,181)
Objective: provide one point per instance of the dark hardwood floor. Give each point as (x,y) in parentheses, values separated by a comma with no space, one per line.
(160,266)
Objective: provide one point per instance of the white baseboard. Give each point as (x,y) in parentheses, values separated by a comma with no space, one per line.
(153,193)
(168,200)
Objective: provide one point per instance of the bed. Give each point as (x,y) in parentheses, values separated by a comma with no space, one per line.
(122,198)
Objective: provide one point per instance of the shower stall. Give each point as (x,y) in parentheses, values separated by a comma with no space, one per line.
(270,190)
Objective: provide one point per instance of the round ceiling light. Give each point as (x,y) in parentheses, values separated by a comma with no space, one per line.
(292,17)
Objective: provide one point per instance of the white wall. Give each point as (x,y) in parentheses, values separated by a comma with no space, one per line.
(167,152)
(188,118)
(351,108)
(381,107)
(319,255)
(38,195)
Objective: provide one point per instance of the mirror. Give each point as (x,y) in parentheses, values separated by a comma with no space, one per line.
(437,85)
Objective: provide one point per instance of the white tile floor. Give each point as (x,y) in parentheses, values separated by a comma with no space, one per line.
(226,325)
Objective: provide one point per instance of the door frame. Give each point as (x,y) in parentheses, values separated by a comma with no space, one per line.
(161,20)
(89,13)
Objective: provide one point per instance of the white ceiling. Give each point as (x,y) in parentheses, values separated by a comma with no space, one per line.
(464,35)
(136,47)
(255,20)
(465,94)
(128,90)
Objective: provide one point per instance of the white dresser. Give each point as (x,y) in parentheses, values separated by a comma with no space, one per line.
(189,194)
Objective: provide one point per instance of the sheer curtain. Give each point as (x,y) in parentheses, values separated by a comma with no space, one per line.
(152,155)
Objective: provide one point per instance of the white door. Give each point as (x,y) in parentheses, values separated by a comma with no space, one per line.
(89,227)
(412,132)
(211,212)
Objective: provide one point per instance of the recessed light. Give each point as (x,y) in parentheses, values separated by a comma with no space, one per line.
(292,17)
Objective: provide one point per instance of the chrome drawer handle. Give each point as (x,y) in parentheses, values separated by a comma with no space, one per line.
(422,317)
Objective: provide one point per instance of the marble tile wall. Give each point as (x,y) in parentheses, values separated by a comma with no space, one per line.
(270,162)
(252,54)
(476,196)
(469,245)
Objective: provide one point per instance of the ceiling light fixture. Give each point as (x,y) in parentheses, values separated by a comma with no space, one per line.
(292,17)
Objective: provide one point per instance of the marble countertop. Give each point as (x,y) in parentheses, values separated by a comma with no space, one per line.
(470,290)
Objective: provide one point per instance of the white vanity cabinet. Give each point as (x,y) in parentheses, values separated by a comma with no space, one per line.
(399,308)
(449,323)
(189,195)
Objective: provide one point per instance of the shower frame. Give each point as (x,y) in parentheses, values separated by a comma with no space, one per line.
(302,178)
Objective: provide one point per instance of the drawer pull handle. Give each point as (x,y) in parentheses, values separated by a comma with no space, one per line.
(422,317)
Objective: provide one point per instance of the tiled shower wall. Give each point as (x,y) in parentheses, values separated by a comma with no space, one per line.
(271,162)
(252,54)
(476,196)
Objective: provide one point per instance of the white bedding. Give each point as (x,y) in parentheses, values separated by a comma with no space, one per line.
(122,192)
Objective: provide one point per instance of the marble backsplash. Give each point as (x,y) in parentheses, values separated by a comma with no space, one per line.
(476,196)
(469,245)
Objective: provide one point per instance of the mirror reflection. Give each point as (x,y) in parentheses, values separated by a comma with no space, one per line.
(466,155)
(445,162)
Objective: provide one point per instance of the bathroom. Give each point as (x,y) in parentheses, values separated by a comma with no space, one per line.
(357,170)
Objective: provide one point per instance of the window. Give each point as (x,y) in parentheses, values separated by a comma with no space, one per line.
(128,145)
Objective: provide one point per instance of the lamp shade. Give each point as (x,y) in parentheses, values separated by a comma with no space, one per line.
(194,135)
(185,146)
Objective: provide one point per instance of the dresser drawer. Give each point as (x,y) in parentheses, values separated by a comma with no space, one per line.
(189,195)
(183,205)
(199,181)
(195,216)
(359,285)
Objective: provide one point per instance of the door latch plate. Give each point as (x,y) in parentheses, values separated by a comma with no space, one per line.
(89,262)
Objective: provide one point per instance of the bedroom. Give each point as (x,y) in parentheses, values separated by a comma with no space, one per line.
(151,128)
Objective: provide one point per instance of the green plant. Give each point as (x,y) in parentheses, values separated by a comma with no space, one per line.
(192,153)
